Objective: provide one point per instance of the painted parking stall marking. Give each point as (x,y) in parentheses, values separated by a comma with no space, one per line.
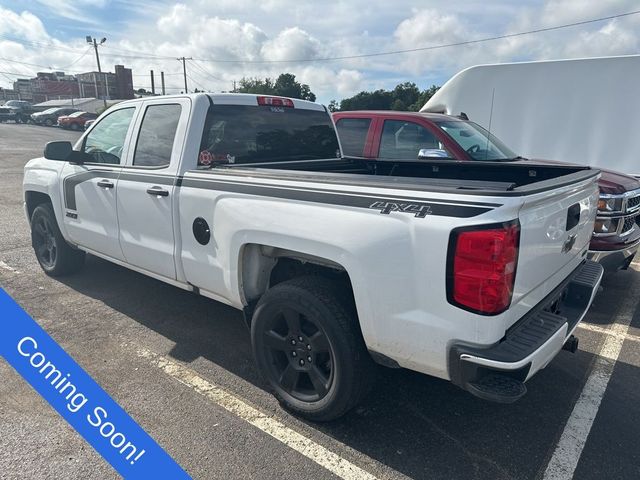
(324,457)
(567,453)
(79,399)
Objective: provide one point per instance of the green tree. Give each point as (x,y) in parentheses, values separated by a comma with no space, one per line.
(423,98)
(285,85)
(405,94)
(376,100)
(333,106)
(255,85)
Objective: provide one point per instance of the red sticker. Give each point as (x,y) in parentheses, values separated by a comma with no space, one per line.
(205,158)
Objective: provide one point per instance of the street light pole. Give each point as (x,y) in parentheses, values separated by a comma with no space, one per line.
(104,79)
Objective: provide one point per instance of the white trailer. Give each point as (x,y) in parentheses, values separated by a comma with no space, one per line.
(584,111)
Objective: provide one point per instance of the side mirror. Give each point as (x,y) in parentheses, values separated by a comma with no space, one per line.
(425,153)
(58,151)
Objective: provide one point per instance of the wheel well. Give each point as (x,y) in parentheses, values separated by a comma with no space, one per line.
(262,267)
(33,199)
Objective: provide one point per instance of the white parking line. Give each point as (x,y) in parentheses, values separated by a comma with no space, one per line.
(307,447)
(4,266)
(608,331)
(565,458)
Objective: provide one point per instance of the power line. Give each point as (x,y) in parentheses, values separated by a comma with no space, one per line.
(32,43)
(166,74)
(14,73)
(205,71)
(197,83)
(76,60)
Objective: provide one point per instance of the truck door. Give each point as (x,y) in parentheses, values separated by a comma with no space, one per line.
(147,185)
(89,190)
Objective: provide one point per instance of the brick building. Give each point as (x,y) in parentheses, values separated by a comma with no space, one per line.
(57,85)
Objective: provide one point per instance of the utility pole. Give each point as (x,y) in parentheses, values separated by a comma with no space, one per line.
(162,81)
(184,70)
(95,46)
(153,84)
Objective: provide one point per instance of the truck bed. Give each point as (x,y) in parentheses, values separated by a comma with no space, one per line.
(481,178)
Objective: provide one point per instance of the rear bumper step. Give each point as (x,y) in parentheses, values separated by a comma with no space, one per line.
(498,372)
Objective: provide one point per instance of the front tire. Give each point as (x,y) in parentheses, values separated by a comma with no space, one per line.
(54,254)
(307,344)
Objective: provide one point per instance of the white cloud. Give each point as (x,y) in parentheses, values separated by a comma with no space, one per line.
(73,9)
(225,36)
(292,43)
(25,25)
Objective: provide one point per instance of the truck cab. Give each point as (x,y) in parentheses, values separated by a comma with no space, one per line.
(388,135)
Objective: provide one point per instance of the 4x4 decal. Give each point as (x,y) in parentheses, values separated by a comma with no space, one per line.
(419,210)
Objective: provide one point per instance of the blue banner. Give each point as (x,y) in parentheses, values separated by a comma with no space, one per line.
(79,399)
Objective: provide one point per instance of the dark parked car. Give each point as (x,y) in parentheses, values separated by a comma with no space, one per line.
(17,111)
(50,117)
(398,135)
(76,120)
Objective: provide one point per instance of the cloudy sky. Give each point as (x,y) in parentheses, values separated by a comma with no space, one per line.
(229,39)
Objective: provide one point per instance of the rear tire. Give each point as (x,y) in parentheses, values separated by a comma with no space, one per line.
(308,345)
(54,254)
(74,127)
(48,122)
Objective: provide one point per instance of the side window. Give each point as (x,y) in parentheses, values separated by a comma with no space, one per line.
(353,135)
(156,136)
(106,141)
(403,140)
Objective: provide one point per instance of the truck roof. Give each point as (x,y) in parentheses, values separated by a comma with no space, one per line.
(231,99)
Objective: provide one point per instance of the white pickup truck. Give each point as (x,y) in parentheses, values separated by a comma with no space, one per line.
(473,272)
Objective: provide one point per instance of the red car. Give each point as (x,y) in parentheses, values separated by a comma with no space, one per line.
(76,120)
(408,135)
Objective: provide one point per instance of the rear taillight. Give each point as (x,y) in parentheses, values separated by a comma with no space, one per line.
(276,102)
(481,267)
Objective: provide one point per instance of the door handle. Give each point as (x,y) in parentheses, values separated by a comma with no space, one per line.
(158,191)
(105,184)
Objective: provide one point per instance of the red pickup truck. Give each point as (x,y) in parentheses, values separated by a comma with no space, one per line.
(407,135)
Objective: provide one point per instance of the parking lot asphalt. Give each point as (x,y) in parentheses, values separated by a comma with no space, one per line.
(117,324)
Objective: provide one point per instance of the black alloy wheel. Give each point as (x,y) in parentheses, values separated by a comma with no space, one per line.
(44,242)
(308,345)
(54,254)
(299,354)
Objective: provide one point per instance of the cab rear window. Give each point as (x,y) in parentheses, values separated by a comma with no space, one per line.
(259,134)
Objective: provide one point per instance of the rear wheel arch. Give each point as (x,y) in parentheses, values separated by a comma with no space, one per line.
(262,266)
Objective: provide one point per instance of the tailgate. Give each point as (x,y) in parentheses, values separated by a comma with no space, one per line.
(555,231)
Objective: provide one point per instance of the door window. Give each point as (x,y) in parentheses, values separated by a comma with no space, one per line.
(353,135)
(403,140)
(157,134)
(105,142)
